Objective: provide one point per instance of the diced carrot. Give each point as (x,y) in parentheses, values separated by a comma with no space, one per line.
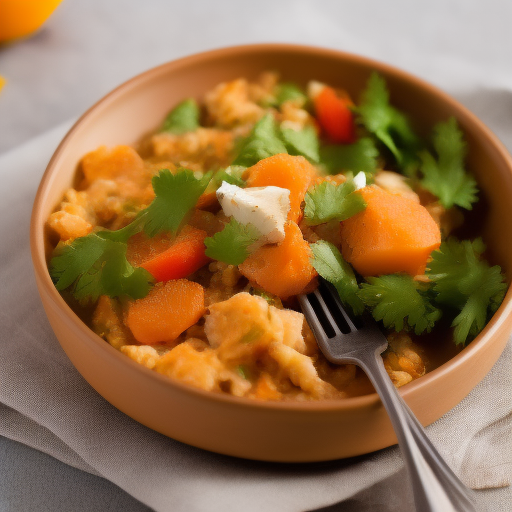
(207,200)
(284,269)
(292,172)
(182,258)
(393,234)
(335,179)
(167,311)
(108,164)
(334,116)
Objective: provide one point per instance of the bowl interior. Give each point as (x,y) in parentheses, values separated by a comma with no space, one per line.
(137,106)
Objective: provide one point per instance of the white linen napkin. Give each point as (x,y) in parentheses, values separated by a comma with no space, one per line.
(46,404)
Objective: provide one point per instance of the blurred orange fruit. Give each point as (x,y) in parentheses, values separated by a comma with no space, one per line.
(20,18)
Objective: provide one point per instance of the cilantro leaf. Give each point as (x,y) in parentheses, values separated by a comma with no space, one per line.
(232,175)
(359,156)
(388,124)
(462,280)
(262,142)
(95,265)
(176,195)
(182,118)
(329,263)
(446,178)
(302,142)
(231,245)
(399,302)
(328,201)
(288,91)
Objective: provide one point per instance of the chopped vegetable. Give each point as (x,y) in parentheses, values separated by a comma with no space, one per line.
(108,164)
(446,178)
(393,234)
(284,269)
(329,263)
(167,311)
(182,258)
(96,265)
(292,172)
(464,281)
(359,156)
(262,142)
(289,91)
(335,116)
(232,175)
(266,208)
(231,245)
(302,142)
(327,201)
(400,303)
(176,196)
(182,118)
(266,140)
(387,123)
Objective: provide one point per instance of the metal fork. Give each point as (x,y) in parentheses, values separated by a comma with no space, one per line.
(343,340)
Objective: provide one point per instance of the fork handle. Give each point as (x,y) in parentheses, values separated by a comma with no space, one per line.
(436,461)
(435,487)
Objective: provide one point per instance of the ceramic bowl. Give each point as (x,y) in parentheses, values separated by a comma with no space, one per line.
(286,432)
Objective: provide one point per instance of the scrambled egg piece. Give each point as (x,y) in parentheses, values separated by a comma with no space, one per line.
(143,354)
(74,219)
(194,363)
(199,150)
(301,371)
(242,327)
(107,323)
(230,104)
(402,359)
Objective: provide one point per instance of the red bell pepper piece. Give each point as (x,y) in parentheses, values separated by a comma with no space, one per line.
(334,116)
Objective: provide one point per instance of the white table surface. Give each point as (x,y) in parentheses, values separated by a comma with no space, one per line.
(89,47)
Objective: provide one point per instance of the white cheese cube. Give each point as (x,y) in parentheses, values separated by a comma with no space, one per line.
(360,180)
(266,208)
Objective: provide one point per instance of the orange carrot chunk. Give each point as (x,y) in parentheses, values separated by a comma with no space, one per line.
(108,164)
(166,312)
(292,172)
(182,258)
(393,234)
(283,269)
(335,116)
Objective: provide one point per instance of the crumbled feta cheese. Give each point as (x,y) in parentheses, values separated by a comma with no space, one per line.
(314,88)
(266,208)
(360,180)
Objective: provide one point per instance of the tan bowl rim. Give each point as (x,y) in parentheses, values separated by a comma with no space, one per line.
(41,270)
